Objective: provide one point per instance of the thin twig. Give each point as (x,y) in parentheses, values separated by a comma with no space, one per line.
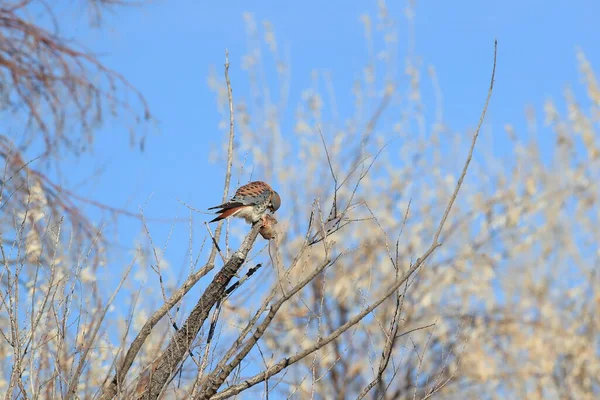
(215,243)
(468,161)
(72,391)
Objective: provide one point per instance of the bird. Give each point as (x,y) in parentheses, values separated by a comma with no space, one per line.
(249,202)
(267,230)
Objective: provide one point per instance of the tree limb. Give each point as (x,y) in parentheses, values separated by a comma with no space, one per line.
(178,349)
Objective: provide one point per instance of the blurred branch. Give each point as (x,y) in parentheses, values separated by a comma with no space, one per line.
(391,338)
(50,76)
(470,155)
(72,390)
(366,137)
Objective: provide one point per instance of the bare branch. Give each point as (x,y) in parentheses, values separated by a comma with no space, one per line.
(386,354)
(72,391)
(178,349)
(115,383)
(470,155)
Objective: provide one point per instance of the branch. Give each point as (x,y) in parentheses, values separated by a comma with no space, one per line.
(278,367)
(386,354)
(111,389)
(54,81)
(215,248)
(177,350)
(72,391)
(468,161)
(211,384)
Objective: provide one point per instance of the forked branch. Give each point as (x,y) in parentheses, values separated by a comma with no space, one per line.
(178,348)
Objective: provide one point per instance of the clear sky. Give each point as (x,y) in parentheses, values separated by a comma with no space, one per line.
(166,48)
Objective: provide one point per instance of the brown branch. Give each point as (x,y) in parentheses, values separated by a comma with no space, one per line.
(179,346)
(48,75)
(112,388)
(222,365)
(216,379)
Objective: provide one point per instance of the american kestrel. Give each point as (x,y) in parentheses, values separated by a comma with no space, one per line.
(267,230)
(250,202)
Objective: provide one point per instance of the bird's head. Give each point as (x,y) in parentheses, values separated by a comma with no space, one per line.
(275,202)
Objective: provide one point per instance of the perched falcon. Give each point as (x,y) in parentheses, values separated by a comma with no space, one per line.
(267,230)
(250,202)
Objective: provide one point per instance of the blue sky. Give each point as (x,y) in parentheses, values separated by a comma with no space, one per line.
(166,50)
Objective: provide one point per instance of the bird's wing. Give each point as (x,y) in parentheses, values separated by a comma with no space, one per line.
(253,193)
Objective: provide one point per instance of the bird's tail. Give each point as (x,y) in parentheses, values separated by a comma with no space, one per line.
(225,206)
(225,213)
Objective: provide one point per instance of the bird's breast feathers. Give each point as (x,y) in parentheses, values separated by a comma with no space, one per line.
(250,214)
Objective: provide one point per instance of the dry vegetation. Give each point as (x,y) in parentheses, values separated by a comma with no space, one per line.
(384,280)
